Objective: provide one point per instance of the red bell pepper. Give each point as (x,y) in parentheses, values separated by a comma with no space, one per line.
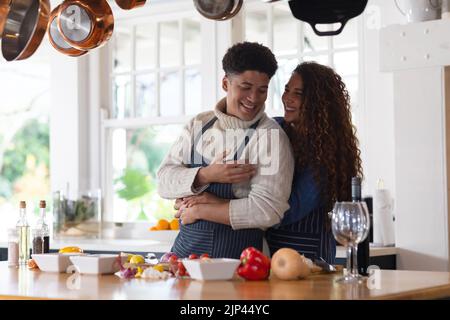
(254,265)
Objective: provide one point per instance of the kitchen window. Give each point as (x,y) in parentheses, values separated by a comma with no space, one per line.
(156,87)
(24,136)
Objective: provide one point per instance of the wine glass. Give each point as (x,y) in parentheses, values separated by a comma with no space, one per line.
(350,224)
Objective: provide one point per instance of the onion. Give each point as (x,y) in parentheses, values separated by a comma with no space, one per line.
(166,256)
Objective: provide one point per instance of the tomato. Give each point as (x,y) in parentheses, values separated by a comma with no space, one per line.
(193,256)
(205,255)
(181,269)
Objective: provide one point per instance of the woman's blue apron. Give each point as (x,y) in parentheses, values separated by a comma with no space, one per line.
(309,236)
(216,239)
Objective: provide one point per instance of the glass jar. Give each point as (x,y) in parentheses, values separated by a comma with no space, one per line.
(77,214)
(37,244)
(13,247)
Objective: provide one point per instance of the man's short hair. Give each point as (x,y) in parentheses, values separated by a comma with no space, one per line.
(247,56)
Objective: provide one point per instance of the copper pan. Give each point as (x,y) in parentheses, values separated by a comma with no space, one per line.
(24,29)
(85,24)
(56,39)
(4,8)
(130,4)
(218,9)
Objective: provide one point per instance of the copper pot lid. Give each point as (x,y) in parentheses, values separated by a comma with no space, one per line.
(216,9)
(85,24)
(130,4)
(26,24)
(56,39)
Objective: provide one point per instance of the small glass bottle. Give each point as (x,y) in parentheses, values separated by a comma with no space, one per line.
(13,248)
(43,230)
(23,230)
(37,246)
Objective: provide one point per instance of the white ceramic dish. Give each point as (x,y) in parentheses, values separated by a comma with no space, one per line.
(211,269)
(53,262)
(96,263)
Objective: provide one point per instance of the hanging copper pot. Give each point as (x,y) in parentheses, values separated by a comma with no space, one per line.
(85,24)
(130,4)
(56,39)
(24,28)
(4,9)
(218,9)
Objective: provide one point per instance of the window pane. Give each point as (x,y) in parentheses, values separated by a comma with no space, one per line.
(348,37)
(322,59)
(311,41)
(24,136)
(122,92)
(284,24)
(346,63)
(286,66)
(170,94)
(256,26)
(169,44)
(122,50)
(145,46)
(193,91)
(145,95)
(192,41)
(137,154)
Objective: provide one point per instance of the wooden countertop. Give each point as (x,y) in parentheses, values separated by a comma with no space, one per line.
(20,283)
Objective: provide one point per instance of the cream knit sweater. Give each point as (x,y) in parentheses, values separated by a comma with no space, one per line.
(263,200)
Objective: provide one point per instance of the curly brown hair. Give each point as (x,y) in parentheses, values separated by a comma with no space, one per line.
(323,137)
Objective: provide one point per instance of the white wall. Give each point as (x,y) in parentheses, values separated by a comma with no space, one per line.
(376,131)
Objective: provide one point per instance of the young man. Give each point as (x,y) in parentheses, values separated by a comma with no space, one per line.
(209,164)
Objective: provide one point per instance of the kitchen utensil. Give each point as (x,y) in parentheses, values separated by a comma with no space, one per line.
(130,4)
(326,11)
(53,262)
(24,29)
(324,265)
(4,8)
(218,10)
(85,24)
(96,263)
(56,39)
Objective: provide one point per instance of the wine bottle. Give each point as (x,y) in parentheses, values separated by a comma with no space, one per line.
(363,253)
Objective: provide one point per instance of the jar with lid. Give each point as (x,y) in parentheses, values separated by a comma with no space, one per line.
(13,247)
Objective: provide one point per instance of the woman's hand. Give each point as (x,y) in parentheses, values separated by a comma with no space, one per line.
(230,172)
(203,198)
(187,215)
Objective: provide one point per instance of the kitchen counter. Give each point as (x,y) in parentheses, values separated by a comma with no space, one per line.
(19,283)
(162,242)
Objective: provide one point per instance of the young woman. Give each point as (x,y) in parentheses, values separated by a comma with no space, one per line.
(318,123)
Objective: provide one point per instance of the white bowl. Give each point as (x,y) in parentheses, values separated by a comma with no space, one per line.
(211,269)
(53,262)
(96,263)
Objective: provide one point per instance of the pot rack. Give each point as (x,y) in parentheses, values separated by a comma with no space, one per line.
(77,26)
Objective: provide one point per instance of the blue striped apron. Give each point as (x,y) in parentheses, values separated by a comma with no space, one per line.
(307,236)
(216,239)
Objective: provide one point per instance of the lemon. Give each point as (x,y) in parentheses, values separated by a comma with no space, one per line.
(159,268)
(71,250)
(136,259)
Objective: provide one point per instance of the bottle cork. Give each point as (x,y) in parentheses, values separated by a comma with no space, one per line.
(42,204)
(23,204)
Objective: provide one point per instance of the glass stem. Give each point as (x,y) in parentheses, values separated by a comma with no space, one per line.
(355,260)
(349,260)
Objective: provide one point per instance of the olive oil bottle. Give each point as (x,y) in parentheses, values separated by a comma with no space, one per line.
(23,230)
